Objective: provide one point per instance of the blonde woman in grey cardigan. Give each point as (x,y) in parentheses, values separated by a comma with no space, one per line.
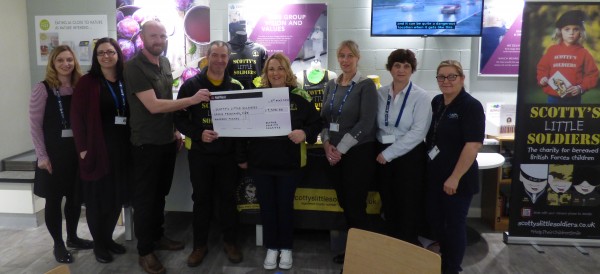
(349,111)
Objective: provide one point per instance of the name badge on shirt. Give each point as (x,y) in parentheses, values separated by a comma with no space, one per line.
(120,120)
(66,133)
(388,139)
(433,152)
(335,127)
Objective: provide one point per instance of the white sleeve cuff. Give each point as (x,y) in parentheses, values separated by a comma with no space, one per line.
(346,143)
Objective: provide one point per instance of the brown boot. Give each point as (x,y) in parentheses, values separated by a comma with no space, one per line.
(197,256)
(151,264)
(234,254)
(167,244)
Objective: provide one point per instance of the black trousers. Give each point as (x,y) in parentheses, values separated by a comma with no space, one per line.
(402,186)
(351,178)
(153,175)
(275,195)
(214,180)
(102,212)
(447,215)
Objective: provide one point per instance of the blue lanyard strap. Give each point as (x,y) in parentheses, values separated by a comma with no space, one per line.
(387,106)
(343,100)
(61,109)
(120,105)
(439,120)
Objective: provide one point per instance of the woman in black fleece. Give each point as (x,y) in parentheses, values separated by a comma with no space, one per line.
(275,163)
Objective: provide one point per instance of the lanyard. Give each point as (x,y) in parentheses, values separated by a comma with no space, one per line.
(61,109)
(120,106)
(387,106)
(439,120)
(343,100)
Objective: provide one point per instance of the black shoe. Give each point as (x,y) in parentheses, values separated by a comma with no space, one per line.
(102,255)
(79,243)
(62,255)
(339,259)
(116,248)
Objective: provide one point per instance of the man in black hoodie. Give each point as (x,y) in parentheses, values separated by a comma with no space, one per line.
(213,168)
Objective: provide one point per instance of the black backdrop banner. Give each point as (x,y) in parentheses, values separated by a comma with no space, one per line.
(556,169)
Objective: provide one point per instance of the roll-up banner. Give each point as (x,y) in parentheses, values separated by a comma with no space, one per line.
(555,198)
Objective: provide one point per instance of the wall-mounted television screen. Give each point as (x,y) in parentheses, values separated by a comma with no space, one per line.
(426,17)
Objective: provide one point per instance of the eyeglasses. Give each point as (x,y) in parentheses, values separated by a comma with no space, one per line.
(450,77)
(107,53)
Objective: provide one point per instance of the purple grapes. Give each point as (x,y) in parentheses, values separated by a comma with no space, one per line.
(127,27)
(140,15)
(119,16)
(183,5)
(124,3)
(189,73)
(139,44)
(127,47)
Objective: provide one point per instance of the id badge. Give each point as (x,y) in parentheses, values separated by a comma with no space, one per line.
(388,139)
(66,133)
(120,120)
(335,127)
(433,152)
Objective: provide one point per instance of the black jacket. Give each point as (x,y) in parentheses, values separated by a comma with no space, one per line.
(193,120)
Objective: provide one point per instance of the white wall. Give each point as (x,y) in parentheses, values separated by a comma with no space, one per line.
(14,79)
(348,19)
(351,19)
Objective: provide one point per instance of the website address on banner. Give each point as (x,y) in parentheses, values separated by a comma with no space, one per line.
(311,199)
(542,223)
(555,232)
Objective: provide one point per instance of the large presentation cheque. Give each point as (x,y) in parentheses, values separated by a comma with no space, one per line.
(251,113)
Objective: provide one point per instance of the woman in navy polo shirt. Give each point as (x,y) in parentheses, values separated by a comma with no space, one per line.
(455,136)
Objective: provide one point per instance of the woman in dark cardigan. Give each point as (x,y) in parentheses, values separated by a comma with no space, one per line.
(99,118)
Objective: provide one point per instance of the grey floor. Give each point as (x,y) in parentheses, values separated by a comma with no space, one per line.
(30,251)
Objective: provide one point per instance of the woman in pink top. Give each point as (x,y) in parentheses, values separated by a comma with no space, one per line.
(56,173)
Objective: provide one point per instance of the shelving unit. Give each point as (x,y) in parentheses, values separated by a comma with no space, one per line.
(495,191)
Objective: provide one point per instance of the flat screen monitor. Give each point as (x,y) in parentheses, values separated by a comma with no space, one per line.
(426,17)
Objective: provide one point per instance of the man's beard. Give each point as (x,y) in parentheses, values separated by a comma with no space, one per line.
(154,51)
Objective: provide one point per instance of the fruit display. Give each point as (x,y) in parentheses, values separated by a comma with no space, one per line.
(121,3)
(128,27)
(127,47)
(187,25)
(183,5)
(189,73)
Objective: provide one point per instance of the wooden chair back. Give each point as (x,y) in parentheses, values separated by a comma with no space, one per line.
(370,252)
(61,269)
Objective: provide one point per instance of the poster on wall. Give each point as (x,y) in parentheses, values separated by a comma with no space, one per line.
(187,23)
(77,31)
(297,30)
(556,173)
(500,38)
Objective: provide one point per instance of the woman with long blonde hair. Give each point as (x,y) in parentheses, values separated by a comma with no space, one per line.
(56,172)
